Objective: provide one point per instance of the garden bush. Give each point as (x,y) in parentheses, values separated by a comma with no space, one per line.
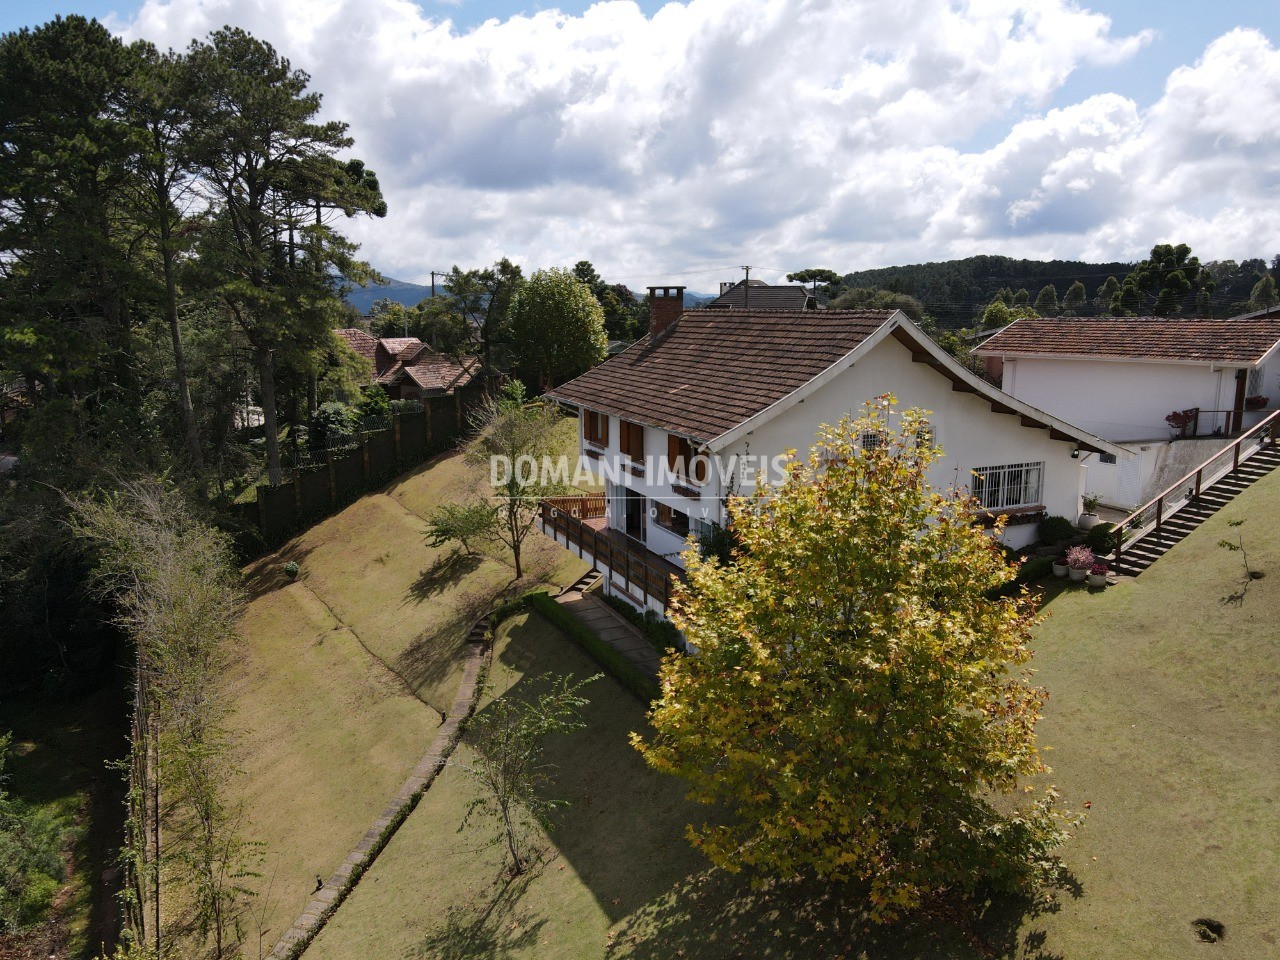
(1055,529)
(1101,539)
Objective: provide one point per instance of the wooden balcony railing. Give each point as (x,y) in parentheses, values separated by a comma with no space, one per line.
(639,569)
(590,506)
(1151,515)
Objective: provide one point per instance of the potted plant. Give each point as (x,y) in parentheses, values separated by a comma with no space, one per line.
(1079,560)
(1178,422)
(1060,567)
(1089,519)
(1256,402)
(1098,575)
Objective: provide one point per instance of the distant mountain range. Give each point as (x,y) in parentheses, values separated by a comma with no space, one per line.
(401,291)
(411,294)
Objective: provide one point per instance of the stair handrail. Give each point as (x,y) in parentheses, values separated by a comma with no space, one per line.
(1266,425)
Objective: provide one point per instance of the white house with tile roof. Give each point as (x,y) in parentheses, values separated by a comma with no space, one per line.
(726,389)
(1120,377)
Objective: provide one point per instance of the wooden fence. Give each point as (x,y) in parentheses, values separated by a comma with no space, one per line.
(310,494)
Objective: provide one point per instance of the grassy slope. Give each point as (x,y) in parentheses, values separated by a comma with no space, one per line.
(1163,715)
(620,880)
(343,673)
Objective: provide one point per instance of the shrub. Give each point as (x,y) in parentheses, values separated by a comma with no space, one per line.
(661,633)
(1055,529)
(374,401)
(1080,558)
(291,570)
(1101,539)
(1035,568)
(406,406)
(331,425)
(31,861)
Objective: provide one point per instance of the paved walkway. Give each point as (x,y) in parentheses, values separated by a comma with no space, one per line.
(330,896)
(611,627)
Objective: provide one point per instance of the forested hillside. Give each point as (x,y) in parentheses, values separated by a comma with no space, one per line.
(955,292)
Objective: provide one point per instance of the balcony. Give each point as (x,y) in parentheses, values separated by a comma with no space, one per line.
(581,525)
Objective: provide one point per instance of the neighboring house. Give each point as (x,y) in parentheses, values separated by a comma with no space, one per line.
(407,368)
(758,295)
(1120,377)
(707,389)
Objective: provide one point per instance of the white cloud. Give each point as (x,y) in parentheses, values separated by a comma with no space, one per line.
(778,132)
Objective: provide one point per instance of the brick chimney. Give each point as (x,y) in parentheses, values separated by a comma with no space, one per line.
(665,306)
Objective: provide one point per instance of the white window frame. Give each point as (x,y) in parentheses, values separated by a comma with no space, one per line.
(1008,486)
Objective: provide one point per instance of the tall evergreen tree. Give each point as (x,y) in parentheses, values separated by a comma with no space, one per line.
(264,158)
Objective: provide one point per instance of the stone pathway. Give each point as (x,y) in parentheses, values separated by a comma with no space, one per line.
(330,896)
(611,627)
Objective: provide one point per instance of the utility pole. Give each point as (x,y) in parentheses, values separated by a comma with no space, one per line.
(746,289)
(433,280)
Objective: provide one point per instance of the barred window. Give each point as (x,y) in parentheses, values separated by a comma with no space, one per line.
(1009,485)
(871,440)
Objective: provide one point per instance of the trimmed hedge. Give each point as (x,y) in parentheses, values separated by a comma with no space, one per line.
(622,669)
(661,633)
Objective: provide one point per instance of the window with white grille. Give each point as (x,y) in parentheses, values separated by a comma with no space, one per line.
(1009,485)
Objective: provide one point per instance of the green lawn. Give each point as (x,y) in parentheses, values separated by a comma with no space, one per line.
(343,673)
(1162,717)
(1164,714)
(619,879)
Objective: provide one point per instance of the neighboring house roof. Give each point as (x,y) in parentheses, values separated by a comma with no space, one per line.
(397,345)
(359,341)
(760,297)
(433,372)
(715,374)
(1272,311)
(1239,342)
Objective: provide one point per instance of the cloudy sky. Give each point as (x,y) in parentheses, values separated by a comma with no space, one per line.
(674,142)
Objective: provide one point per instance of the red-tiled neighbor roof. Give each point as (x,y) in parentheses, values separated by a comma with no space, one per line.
(433,372)
(715,369)
(1152,339)
(359,341)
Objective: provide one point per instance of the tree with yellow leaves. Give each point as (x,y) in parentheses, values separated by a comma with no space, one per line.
(860,704)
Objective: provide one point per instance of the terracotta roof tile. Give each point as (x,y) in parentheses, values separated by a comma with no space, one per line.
(715,369)
(1139,338)
(359,341)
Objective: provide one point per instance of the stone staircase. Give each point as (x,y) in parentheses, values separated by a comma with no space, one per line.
(1151,544)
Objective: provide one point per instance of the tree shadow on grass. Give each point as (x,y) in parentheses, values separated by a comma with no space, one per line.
(716,915)
(491,924)
(444,573)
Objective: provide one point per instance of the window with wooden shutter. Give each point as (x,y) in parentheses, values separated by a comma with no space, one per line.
(595,428)
(631,439)
(683,461)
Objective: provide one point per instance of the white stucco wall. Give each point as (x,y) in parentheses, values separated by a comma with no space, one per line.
(1119,400)
(969,432)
